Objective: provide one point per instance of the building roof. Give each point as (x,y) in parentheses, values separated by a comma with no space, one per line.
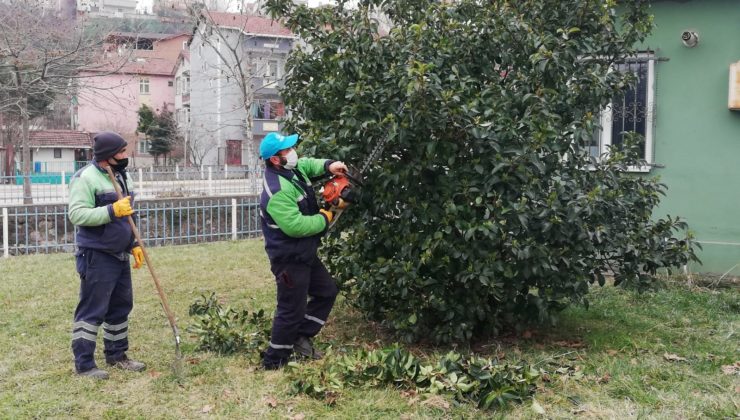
(150,66)
(249,24)
(61,139)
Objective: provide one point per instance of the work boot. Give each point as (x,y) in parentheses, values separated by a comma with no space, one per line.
(271,364)
(128,364)
(95,373)
(304,347)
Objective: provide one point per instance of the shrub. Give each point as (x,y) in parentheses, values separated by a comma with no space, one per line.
(485,209)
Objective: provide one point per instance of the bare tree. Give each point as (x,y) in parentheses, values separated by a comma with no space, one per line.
(42,56)
(243,69)
(199,144)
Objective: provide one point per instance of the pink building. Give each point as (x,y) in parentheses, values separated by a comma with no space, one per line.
(110,101)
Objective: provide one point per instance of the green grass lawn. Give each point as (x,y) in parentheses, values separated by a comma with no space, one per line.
(610,361)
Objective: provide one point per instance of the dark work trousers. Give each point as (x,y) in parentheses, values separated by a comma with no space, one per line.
(296,314)
(106,299)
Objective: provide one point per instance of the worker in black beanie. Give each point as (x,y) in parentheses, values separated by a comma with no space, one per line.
(106,144)
(104,242)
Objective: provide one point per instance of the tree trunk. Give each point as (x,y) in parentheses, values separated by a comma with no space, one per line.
(26,154)
(249,132)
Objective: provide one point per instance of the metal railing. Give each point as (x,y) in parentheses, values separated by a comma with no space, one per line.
(151,182)
(46,228)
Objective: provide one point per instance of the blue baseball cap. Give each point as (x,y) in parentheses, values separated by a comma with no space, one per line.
(274,142)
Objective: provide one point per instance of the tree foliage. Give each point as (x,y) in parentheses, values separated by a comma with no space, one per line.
(485,210)
(159,129)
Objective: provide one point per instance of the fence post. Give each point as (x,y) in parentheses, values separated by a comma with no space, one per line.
(141,181)
(177,172)
(226,171)
(64,186)
(233,219)
(6,250)
(210,180)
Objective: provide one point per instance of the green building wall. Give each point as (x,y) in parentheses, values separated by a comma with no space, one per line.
(696,137)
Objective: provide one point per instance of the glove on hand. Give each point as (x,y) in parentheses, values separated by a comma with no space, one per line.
(122,207)
(138,254)
(329,215)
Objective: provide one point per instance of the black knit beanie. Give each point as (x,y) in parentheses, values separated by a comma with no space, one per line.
(106,144)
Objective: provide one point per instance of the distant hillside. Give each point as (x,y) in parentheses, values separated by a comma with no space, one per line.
(164,25)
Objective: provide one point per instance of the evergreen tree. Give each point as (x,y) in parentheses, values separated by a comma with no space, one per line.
(485,210)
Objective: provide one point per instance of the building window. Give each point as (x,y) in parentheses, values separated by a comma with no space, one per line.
(144,86)
(271,72)
(186,87)
(187,114)
(143,146)
(178,88)
(267,110)
(631,111)
(169,83)
(57,153)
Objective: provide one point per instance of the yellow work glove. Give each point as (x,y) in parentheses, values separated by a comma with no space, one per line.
(138,254)
(329,215)
(122,207)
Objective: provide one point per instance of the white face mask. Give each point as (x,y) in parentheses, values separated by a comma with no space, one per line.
(291,160)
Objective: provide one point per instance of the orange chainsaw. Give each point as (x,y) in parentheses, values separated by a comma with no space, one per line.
(339,192)
(342,190)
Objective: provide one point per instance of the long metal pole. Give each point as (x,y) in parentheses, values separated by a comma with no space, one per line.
(162,297)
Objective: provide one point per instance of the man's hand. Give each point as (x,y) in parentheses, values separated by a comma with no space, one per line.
(329,215)
(122,207)
(138,254)
(338,168)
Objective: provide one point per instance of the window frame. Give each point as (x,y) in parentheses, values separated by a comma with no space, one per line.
(145,150)
(144,83)
(604,139)
(270,80)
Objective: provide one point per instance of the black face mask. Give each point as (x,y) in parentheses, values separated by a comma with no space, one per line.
(120,165)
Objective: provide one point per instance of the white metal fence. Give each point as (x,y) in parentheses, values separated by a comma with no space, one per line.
(46,228)
(49,186)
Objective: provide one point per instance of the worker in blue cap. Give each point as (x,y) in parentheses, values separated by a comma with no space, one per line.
(293,224)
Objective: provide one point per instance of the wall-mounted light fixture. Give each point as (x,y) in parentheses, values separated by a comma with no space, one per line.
(690,38)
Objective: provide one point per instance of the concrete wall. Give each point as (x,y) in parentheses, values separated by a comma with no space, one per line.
(218,112)
(696,137)
(182,102)
(111,102)
(170,48)
(51,164)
